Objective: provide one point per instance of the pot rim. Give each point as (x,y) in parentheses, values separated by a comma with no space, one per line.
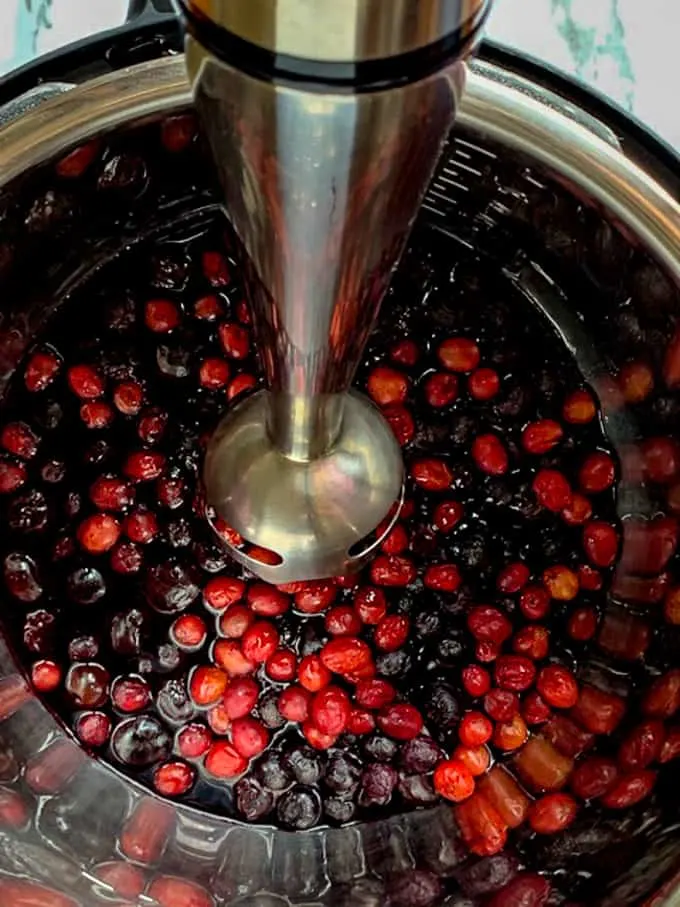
(497,104)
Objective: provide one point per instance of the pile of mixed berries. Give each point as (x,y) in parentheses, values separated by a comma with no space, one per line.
(446,671)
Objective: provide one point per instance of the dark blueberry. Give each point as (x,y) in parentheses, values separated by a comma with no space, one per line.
(377,784)
(252,801)
(179,533)
(83,648)
(140,741)
(513,402)
(269,713)
(163,659)
(72,504)
(173,361)
(432,437)
(312,641)
(441,705)
(173,702)
(462,431)
(487,875)
(524,502)
(125,173)
(120,316)
(339,809)
(39,628)
(273,770)
(499,493)
(210,557)
(450,650)
(380,749)
(171,587)
(127,632)
(49,415)
(53,472)
(299,808)
(306,764)
(472,552)
(98,453)
(362,893)
(417,790)
(86,585)
(21,577)
(666,408)
(420,755)
(584,839)
(49,211)
(342,773)
(9,766)
(415,888)
(393,665)
(424,542)
(28,512)
(170,270)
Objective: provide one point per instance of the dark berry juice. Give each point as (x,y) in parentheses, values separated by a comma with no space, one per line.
(470,663)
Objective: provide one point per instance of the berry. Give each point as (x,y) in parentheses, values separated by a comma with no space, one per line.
(594,777)
(459,354)
(582,624)
(514,672)
(579,511)
(601,543)
(533,641)
(214,373)
(400,721)
(260,641)
(193,741)
(85,382)
(501,705)
(561,582)
(552,490)
(534,602)
(597,473)
(475,729)
(510,735)
(234,340)
(172,779)
(387,386)
(431,474)
(228,654)
(128,397)
(374,694)
(294,703)
(207,685)
(370,604)
(442,577)
(223,591)
(441,389)
(484,384)
(224,761)
(401,422)
(513,578)
(552,813)
(540,437)
(636,381)
(45,676)
(558,686)
(143,466)
(392,632)
(18,439)
(476,680)
(329,711)
(447,515)
(281,666)
(579,408)
(629,790)
(489,624)
(41,369)
(315,597)
(490,455)
(161,316)
(98,533)
(96,414)
(249,737)
(215,269)
(314,674)
(452,780)
(189,632)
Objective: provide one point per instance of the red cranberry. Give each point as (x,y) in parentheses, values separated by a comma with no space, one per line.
(386,385)
(601,542)
(552,813)
(172,779)
(401,422)
(453,781)
(87,684)
(360,722)
(214,373)
(582,624)
(533,641)
(370,604)
(193,741)
(476,680)
(490,455)
(260,641)
(152,425)
(130,694)
(239,385)
(475,759)
(347,656)
(128,397)
(404,352)
(146,832)
(597,473)
(459,354)
(215,269)
(342,621)
(228,654)
(76,162)
(282,666)
(561,582)
(223,591)
(293,703)
(552,490)
(86,382)
(534,602)
(661,458)
(45,676)
(535,710)
(234,622)
(249,737)
(109,493)
(240,697)
(93,728)
(629,790)
(442,577)
(578,511)
(98,533)
(431,474)
(224,761)
(374,694)
(540,437)
(208,308)
(489,624)
(579,408)
(557,685)
(392,632)
(12,476)
(313,673)
(96,414)
(329,711)
(234,340)
(510,735)
(484,384)
(316,597)
(487,652)
(18,439)
(42,368)
(161,316)
(141,526)
(189,632)
(514,672)
(396,541)
(662,699)
(441,389)
(143,466)
(501,705)
(512,578)
(636,381)
(400,721)
(447,515)
(392,570)
(207,685)
(475,729)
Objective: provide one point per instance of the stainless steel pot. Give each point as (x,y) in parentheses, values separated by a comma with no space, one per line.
(587,231)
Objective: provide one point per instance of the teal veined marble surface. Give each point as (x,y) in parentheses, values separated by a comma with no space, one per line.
(625,48)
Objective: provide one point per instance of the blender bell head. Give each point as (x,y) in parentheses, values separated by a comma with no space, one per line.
(326,120)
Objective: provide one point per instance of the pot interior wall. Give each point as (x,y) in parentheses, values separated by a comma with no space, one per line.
(611,304)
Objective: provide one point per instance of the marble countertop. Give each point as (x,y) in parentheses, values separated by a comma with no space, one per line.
(622,47)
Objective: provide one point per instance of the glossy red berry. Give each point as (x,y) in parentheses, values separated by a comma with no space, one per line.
(392,632)
(459,354)
(629,790)
(582,624)
(453,781)
(475,729)
(316,596)
(387,385)
(597,473)
(41,369)
(534,602)
(215,269)
(189,632)
(161,316)
(558,686)
(476,680)
(404,352)
(19,439)
(207,685)
(249,737)
(489,624)
(578,511)
(144,466)
(579,408)
(172,779)
(484,384)
(513,578)
(267,601)
(46,676)
(501,705)
(12,476)
(193,741)
(224,761)
(85,381)
(432,474)
(293,704)
(130,694)
(93,728)
(540,437)
(392,570)
(141,526)
(514,672)
(552,813)
(98,533)
(401,422)
(532,641)
(552,490)
(442,577)
(400,721)
(234,340)
(329,710)
(342,621)
(281,666)
(511,735)
(214,373)
(561,582)
(374,694)
(441,389)
(447,515)
(260,641)
(222,591)
(110,493)
(490,455)
(313,674)
(370,604)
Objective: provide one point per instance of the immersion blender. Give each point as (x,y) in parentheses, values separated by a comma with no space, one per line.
(326,119)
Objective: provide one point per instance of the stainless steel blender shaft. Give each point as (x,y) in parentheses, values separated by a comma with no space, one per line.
(326,119)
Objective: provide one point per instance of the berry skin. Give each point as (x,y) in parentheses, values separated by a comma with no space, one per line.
(561,582)
(552,813)
(558,686)
(432,475)
(400,721)
(260,641)
(514,672)
(98,533)
(371,604)
(224,761)
(453,781)
(629,790)
(207,685)
(475,729)
(42,368)
(476,680)
(329,711)
(282,666)
(249,737)
(540,437)
(349,657)
(441,390)
(387,386)
(85,382)
(459,354)
(552,490)
(579,408)
(293,703)
(392,632)
(240,697)
(490,455)
(313,674)
(597,473)
(601,543)
(484,384)
(161,316)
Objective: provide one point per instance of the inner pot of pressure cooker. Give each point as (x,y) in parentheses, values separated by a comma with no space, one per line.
(486,715)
